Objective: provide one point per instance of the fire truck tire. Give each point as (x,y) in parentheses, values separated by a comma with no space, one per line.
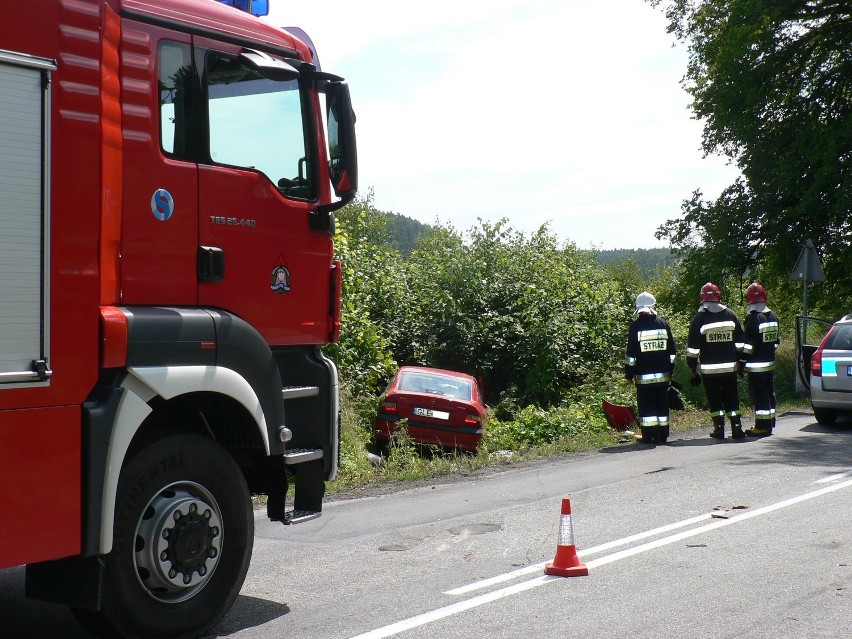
(183,536)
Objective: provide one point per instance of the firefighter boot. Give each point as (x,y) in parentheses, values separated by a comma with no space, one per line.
(737,428)
(649,434)
(718,428)
(762,428)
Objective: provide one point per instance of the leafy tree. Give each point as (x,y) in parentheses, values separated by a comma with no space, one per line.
(539,321)
(534,319)
(772,82)
(370,273)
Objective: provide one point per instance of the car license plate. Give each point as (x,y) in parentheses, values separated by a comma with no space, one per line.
(428,412)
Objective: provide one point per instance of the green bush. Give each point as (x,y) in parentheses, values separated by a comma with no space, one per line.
(579,418)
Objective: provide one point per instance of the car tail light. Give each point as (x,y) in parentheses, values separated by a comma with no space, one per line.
(816,358)
(389,407)
(816,363)
(472,420)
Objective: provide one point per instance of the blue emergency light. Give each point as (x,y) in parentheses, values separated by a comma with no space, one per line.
(254,7)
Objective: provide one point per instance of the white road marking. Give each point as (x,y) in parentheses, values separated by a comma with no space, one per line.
(831,478)
(453,609)
(719,523)
(526,570)
(461,606)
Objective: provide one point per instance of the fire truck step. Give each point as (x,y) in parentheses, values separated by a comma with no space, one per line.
(296,392)
(302,455)
(300,516)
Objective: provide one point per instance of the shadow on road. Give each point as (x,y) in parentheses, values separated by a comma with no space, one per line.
(248,612)
(22,617)
(697,437)
(831,447)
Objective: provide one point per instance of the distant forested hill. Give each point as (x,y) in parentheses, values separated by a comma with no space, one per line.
(649,261)
(403,231)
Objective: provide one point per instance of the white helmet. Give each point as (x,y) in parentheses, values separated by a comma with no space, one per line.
(645,302)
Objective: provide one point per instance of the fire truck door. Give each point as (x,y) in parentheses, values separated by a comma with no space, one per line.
(160,191)
(258,257)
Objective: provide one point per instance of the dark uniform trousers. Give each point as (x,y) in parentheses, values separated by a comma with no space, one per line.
(761,388)
(653,399)
(722,397)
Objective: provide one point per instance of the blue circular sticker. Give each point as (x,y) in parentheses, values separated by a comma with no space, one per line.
(162,204)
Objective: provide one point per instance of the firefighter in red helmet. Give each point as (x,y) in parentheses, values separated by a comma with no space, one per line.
(649,365)
(712,354)
(758,359)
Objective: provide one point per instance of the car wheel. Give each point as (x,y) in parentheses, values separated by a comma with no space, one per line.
(825,416)
(184,530)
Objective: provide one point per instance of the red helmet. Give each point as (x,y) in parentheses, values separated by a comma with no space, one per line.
(710,293)
(755,293)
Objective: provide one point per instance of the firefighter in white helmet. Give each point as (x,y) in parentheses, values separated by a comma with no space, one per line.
(712,354)
(758,359)
(649,365)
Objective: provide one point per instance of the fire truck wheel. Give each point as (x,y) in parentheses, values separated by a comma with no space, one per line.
(183,536)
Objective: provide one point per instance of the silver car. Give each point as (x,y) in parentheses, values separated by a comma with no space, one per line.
(831,372)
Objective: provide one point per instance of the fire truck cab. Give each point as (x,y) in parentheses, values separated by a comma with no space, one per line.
(169,172)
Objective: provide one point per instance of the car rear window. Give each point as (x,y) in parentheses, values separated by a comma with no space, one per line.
(435,384)
(840,338)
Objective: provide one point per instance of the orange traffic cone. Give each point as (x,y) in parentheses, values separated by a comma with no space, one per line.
(566,563)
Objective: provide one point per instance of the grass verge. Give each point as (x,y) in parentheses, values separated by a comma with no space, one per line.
(531,435)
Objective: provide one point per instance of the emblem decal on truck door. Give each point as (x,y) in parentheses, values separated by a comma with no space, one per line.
(280,278)
(162,204)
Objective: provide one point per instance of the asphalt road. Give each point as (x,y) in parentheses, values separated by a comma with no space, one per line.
(695,538)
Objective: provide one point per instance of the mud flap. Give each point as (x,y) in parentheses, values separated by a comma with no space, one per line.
(276,484)
(310,486)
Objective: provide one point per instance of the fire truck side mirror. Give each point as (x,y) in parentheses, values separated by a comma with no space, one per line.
(342,154)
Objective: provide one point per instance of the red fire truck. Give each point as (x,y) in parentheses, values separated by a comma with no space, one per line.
(169,172)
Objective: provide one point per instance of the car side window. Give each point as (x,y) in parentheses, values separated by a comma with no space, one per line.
(841,338)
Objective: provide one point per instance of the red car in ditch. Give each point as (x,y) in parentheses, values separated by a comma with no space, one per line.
(441,407)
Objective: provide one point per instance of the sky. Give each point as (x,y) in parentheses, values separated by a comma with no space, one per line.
(561,112)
